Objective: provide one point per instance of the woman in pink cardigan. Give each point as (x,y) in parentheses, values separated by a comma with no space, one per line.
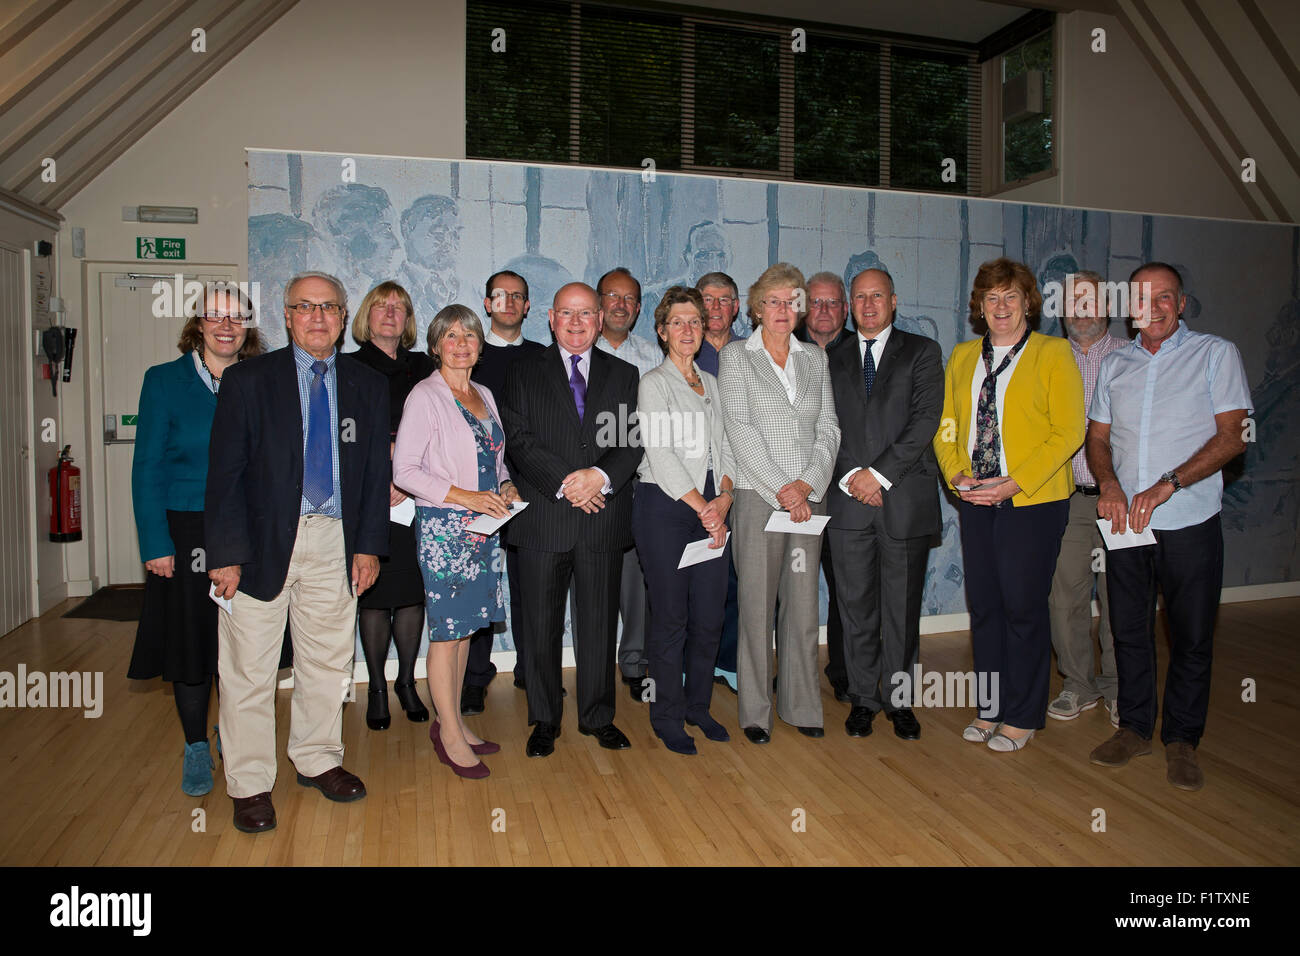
(450,458)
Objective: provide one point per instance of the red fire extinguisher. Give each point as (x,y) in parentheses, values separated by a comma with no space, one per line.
(65,498)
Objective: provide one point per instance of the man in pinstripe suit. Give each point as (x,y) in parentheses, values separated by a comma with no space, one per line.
(575,472)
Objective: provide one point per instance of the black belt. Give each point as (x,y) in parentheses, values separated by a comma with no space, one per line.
(1092,491)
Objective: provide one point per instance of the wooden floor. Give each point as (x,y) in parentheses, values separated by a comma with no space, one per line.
(77,791)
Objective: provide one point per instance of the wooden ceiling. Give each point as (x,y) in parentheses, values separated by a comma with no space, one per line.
(82,80)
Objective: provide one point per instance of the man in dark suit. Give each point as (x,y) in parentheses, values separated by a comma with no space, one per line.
(888,387)
(505,303)
(828,311)
(568,412)
(296,517)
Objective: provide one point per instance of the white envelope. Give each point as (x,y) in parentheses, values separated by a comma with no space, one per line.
(781,521)
(223,603)
(486,524)
(697,552)
(1126,540)
(403,513)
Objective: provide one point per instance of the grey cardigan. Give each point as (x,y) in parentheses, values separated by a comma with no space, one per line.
(680,430)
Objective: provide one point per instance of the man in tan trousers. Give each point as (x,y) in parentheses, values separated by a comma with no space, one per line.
(295,518)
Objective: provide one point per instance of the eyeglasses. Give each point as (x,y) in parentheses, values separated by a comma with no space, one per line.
(827,303)
(631,298)
(791,305)
(512,296)
(678,324)
(725,301)
(216,318)
(398,310)
(307,308)
(586,315)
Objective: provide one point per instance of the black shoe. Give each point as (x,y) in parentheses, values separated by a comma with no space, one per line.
(377,716)
(610,737)
(678,743)
(635,687)
(712,729)
(841,691)
(858,723)
(409,698)
(471,700)
(541,742)
(905,724)
(811,731)
(757,735)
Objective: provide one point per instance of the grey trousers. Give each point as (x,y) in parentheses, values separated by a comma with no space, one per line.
(1070,605)
(769,566)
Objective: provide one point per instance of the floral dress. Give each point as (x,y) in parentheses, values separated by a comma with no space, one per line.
(462,570)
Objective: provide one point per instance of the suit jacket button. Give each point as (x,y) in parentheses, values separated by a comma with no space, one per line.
(582,445)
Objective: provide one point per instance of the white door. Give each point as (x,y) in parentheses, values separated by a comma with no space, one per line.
(17,507)
(133,340)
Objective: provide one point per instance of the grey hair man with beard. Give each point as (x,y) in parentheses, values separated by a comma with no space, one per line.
(1087,327)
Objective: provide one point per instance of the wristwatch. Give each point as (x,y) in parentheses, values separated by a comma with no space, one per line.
(1172,478)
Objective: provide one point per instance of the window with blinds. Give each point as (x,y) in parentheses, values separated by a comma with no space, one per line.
(702,91)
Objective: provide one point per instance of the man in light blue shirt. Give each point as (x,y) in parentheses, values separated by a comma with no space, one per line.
(1167,414)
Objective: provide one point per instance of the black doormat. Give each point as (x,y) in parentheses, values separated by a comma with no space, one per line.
(117,603)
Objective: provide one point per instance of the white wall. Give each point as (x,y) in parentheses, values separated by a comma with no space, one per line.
(1122,141)
(384,76)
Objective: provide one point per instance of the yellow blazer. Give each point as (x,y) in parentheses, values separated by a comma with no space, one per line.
(1042,419)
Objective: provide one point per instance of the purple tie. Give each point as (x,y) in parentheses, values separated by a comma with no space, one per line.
(578,385)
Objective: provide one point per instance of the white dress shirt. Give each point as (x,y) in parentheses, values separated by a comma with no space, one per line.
(877,352)
(491,338)
(784,375)
(976,381)
(584,368)
(642,353)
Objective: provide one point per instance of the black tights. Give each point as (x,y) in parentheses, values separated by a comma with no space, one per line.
(192,705)
(404,625)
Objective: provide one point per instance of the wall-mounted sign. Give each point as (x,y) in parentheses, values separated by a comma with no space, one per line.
(159,248)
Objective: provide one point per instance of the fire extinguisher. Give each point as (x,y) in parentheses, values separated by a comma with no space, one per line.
(65,498)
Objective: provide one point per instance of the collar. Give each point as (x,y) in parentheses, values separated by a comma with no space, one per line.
(491,338)
(304,360)
(1105,340)
(882,336)
(565,353)
(1178,338)
(381,358)
(755,342)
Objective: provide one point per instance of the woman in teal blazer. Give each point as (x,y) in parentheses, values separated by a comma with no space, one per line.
(177,635)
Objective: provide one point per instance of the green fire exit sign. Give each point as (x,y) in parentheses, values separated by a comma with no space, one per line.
(159,248)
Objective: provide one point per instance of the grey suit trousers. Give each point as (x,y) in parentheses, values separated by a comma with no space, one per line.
(769,566)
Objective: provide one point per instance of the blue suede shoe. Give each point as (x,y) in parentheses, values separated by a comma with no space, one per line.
(196,774)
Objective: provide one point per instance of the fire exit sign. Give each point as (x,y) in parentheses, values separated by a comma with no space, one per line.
(159,248)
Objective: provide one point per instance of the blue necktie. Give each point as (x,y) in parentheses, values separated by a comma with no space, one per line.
(318,467)
(868,367)
(578,385)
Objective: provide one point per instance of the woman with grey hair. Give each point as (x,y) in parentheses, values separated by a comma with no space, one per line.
(781,425)
(450,458)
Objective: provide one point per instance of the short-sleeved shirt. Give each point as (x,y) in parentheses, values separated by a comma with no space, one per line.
(1161,410)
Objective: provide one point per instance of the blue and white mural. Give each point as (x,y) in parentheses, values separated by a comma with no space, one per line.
(442,227)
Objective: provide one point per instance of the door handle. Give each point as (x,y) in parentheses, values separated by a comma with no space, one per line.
(110,432)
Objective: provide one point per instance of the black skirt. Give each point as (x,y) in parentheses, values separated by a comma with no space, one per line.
(177,635)
(400,582)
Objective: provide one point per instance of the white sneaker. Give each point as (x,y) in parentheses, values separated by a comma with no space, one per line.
(1113,707)
(1067,705)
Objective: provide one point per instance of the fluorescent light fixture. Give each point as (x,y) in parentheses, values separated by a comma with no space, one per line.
(185,214)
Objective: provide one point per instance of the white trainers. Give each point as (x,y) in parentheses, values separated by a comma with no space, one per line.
(1067,705)
(1113,707)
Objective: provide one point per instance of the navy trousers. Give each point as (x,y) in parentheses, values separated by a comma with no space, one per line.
(1009,557)
(686,606)
(1187,565)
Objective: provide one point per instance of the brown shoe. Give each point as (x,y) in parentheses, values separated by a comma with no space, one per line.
(1183,771)
(1117,751)
(254,814)
(337,784)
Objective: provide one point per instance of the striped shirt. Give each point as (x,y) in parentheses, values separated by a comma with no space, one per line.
(1089,364)
(332,508)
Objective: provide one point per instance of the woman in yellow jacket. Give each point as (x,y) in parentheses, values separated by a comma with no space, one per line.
(1013,417)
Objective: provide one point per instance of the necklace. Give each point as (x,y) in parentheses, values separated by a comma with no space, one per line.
(216,379)
(692,382)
